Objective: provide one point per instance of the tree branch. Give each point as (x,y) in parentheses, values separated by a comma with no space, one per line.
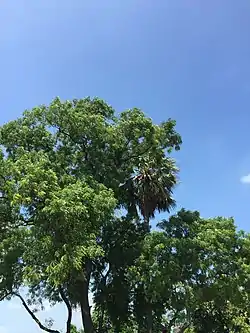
(147,149)
(69,308)
(70,137)
(4,296)
(42,327)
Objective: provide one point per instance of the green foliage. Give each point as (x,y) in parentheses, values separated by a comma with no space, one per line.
(78,187)
(191,261)
(212,317)
(75,330)
(62,167)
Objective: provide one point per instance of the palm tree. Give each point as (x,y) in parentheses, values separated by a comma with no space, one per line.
(150,188)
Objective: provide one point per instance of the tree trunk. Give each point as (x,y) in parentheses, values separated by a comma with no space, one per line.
(147,223)
(83,286)
(86,316)
(149,319)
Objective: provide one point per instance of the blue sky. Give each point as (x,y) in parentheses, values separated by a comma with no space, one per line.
(185,59)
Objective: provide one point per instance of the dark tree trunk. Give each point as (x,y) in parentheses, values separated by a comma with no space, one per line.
(149,319)
(86,316)
(147,224)
(83,288)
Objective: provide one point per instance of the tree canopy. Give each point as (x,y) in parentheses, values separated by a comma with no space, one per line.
(79,187)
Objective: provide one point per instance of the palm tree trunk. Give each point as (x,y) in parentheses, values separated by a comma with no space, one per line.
(149,315)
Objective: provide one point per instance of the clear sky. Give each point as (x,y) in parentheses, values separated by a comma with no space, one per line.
(185,59)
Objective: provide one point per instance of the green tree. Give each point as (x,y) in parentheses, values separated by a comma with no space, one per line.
(121,243)
(62,168)
(191,262)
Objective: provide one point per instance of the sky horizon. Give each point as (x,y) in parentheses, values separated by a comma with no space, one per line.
(187,59)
